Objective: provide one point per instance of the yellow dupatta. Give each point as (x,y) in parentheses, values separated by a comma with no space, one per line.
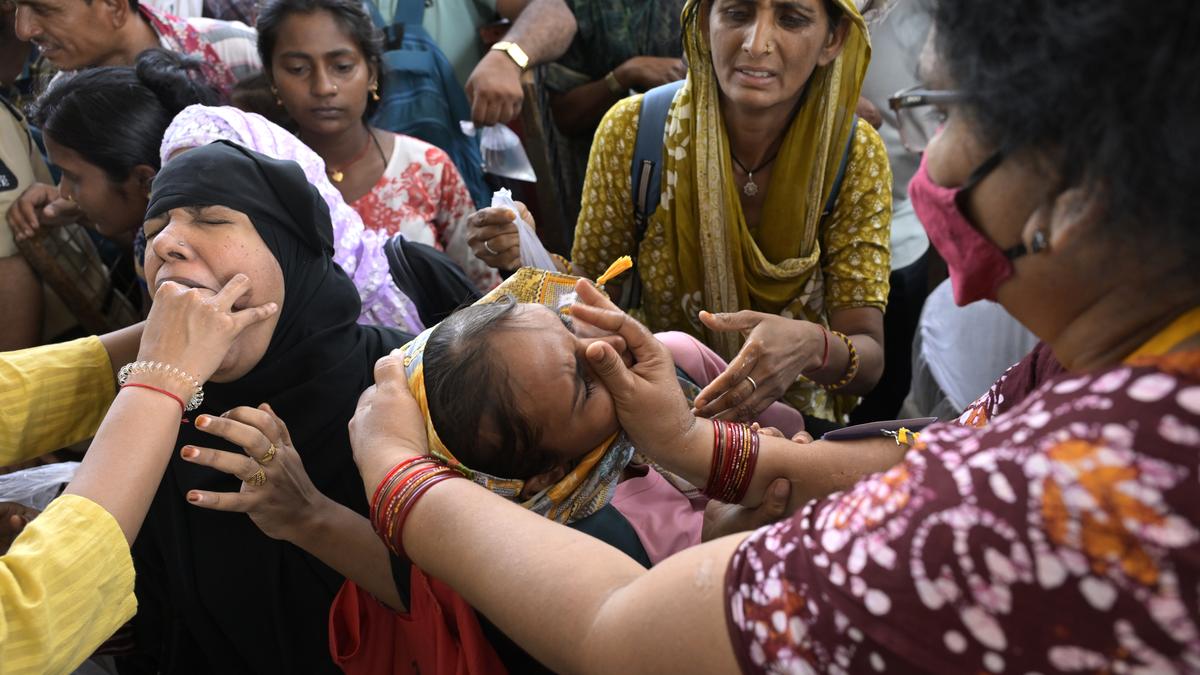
(721,265)
(592,482)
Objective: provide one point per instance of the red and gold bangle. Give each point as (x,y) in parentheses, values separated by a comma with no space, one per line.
(391,477)
(399,492)
(735,456)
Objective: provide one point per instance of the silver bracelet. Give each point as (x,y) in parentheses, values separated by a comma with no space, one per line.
(164,369)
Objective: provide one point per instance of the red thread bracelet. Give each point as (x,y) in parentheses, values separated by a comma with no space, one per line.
(182,407)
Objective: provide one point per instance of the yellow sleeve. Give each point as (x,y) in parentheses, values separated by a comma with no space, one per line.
(66,585)
(605,229)
(856,242)
(52,396)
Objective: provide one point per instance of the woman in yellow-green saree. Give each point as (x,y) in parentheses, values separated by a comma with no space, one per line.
(761,137)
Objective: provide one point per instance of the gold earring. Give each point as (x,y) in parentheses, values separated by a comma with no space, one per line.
(278,101)
(375,92)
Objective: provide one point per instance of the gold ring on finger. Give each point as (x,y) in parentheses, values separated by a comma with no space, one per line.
(268,456)
(257,479)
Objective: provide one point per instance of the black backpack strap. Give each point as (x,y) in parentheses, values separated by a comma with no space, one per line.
(831,203)
(646,173)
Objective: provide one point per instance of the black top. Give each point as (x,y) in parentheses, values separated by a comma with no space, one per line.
(216,594)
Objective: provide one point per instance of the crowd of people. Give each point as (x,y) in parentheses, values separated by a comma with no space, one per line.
(873,344)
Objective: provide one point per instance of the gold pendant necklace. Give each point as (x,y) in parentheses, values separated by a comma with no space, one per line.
(338,175)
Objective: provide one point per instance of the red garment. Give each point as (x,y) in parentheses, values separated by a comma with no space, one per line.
(439,636)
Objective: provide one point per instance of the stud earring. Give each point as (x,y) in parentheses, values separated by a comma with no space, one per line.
(278,101)
(1040,242)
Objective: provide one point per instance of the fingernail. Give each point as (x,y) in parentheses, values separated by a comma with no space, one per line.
(202,422)
(188,452)
(194,498)
(781,489)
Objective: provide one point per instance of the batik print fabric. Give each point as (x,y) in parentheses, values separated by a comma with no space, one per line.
(1063,537)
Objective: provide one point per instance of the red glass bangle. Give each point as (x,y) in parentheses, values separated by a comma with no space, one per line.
(386,479)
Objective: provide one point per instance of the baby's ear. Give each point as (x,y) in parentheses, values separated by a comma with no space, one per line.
(541,481)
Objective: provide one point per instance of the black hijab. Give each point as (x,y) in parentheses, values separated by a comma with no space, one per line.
(215,593)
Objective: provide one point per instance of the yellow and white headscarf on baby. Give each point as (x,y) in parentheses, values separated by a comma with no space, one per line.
(590,485)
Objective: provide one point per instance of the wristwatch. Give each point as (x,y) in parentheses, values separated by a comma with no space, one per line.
(514,52)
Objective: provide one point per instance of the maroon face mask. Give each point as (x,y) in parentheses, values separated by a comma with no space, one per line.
(977,266)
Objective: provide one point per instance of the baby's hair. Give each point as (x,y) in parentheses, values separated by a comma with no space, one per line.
(471,403)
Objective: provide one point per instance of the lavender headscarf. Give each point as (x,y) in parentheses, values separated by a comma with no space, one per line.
(358,250)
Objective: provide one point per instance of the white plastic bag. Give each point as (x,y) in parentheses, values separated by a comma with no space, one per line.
(36,487)
(533,253)
(503,154)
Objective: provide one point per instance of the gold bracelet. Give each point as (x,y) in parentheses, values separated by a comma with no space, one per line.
(851,367)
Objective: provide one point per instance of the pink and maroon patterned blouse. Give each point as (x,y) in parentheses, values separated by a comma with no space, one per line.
(1063,536)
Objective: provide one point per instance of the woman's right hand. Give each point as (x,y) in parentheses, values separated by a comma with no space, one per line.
(193,329)
(492,236)
(40,205)
(649,403)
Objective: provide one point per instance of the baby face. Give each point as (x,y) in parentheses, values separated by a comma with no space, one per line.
(554,385)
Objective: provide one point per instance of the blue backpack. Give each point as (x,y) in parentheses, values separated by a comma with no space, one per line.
(419,95)
(646,174)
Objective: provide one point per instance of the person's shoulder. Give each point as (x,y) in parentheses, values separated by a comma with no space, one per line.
(412,149)
(621,120)
(868,145)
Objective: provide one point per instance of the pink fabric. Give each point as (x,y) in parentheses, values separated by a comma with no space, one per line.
(703,365)
(665,520)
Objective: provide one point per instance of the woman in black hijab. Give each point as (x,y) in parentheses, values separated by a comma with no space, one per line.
(215,593)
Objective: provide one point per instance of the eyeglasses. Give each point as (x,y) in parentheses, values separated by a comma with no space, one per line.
(920,114)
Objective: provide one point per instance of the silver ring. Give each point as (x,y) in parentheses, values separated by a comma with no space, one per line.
(487,243)
(753,384)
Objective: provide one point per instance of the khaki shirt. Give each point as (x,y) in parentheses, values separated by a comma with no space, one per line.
(21,165)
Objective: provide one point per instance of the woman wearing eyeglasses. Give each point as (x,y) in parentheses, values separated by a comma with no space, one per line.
(1055,534)
(758,144)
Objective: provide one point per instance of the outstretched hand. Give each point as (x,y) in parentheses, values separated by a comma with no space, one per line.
(776,352)
(276,491)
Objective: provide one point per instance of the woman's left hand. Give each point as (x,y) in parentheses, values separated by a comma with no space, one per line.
(776,352)
(276,492)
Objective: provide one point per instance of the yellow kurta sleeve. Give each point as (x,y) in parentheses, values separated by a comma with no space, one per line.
(52,396)
(66,585)
(605,230)
(856,244)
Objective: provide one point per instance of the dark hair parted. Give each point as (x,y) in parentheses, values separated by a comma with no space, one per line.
(470,400)
(350,16)
(115,116)
(1104,94)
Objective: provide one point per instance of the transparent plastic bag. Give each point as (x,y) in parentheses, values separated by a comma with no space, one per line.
(533,253)
(502,152)
(36,487)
